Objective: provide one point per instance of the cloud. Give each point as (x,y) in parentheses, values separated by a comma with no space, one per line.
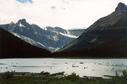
(53,7)
(25,1)
(63,13)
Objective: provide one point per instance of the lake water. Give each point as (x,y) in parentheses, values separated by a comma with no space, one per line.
(82,67)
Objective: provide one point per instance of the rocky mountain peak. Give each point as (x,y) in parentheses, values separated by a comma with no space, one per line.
(121,7)
(22,20)
(23,23)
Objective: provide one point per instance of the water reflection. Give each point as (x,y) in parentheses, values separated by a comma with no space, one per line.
(82,67)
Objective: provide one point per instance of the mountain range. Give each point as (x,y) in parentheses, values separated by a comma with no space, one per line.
(51,38)
(106,38)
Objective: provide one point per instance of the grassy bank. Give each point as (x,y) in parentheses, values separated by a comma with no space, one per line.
(58,78)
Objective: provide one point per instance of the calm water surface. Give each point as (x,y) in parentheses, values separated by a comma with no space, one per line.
(82,67)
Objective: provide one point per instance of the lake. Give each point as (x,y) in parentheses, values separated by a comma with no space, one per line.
(82,67)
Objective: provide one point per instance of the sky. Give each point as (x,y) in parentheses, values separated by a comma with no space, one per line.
(63,13)
(25,1)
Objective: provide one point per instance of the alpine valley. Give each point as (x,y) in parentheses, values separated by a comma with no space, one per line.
(106,38)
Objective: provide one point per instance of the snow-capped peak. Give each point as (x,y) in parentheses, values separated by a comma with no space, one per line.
(23,23)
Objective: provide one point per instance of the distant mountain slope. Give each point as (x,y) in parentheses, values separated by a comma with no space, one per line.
(12,46)
(107,37)
(73,32)
(76,32)
(52,38)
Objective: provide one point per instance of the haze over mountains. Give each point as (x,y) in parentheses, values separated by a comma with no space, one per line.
(107,37)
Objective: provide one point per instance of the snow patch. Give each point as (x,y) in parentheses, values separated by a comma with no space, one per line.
(21,25)
(67,35)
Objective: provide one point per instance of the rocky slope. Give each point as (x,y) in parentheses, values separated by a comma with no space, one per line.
(107,37)
(12,46)
(76,32)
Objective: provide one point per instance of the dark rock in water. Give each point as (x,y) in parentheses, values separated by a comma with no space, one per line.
(107,37)
(13,47)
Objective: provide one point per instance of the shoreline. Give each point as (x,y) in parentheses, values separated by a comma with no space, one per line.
(58,78)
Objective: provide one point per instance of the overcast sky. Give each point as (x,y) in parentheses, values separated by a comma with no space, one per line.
(63,13)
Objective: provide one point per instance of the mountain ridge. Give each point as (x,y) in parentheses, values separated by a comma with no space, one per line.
(105,38)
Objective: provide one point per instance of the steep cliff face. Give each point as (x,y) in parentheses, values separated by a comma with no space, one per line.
(13,47)
(107,37)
